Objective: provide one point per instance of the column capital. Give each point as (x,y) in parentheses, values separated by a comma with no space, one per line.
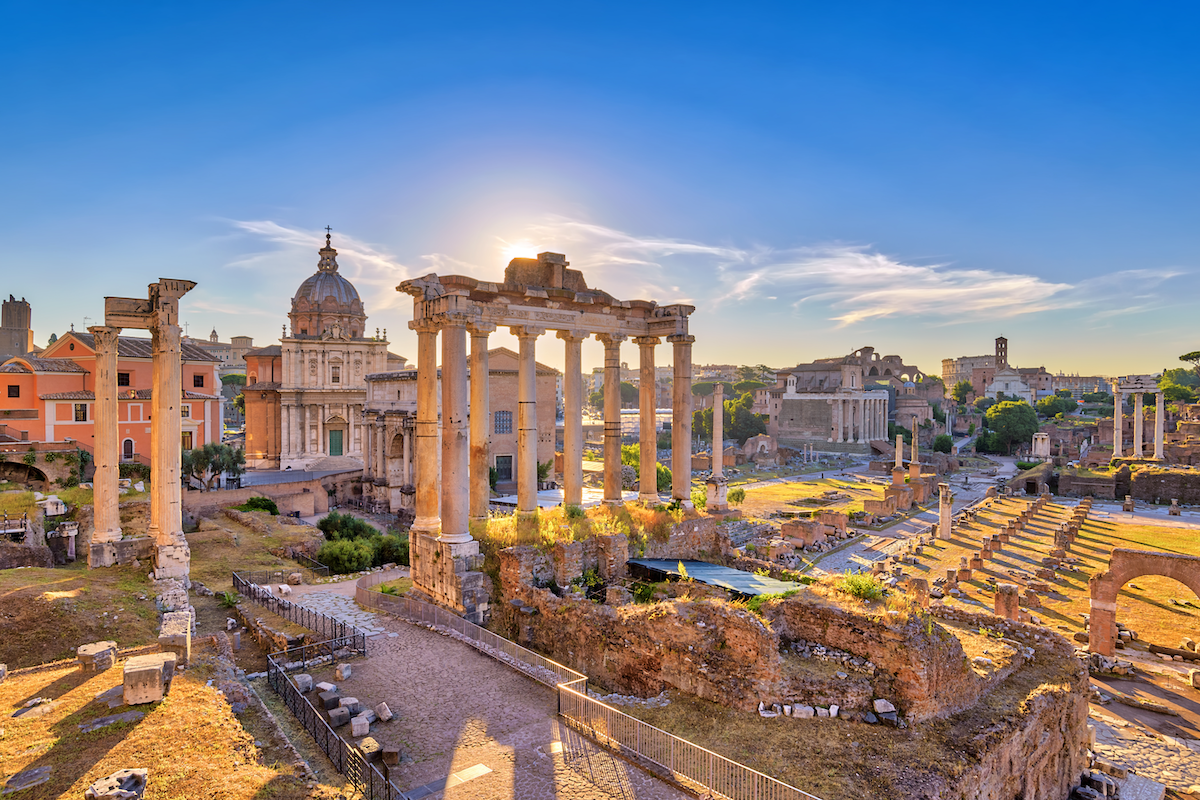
(477,328)
(106,335)
(573,335)
(611,339)
(426,325)
(646,341)
(455,319)
(526,331)
(681,339)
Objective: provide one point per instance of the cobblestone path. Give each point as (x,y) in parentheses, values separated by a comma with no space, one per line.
(1173,762)
(459,712)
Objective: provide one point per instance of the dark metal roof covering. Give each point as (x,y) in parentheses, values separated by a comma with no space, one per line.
(746,583)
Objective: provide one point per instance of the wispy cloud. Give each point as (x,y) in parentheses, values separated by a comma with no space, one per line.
(848,283)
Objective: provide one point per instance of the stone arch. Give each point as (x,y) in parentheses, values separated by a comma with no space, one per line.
(127,449)
(1125,565)
(874,371)
(20,472)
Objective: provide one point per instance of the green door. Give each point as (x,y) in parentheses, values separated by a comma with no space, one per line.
(335,443)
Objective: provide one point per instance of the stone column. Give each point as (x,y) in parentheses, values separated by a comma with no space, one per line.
(681,420)
(573,418)
(1160,422)
(481,420)
(945,512)
(716,485)
(527,433)
(407,467)
(612,417)
(1138,424)
(173,556)
(369,452)
(899,451)
(456,443)
(1118,434)
(838,420)
(107,447)
(426,500)
(322,445)
(647,437)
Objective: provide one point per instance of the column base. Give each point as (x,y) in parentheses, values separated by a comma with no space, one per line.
(716,489)
(426,525)
(172,561)
(457,541)
(447,573)
(650,499)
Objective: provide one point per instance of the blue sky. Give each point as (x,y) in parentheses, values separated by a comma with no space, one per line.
(815,178)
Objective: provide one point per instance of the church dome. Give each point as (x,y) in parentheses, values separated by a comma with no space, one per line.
(327,303)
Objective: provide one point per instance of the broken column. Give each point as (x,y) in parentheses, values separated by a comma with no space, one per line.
(945,517)
(717,484)
(1008,601)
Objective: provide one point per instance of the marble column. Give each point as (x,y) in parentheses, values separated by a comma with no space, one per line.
(1138,424)
(426,500)
(481,419)
(647,436)
(716,487)
(859,436)
(380,451)
(1160,422)
(173,555)
(681,420)
(573,418)
(837,419)
(369,453)
(407,468)
(612,417)
(899,451)
(322,444)
(1118,432)
(945,512)
(154,529)
(527,433)
(456,444)
(107,446)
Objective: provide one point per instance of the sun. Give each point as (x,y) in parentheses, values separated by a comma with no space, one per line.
(522,248)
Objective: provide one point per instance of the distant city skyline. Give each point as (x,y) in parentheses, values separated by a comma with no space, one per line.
(813,179)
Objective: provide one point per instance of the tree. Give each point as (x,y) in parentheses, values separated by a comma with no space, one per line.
(942,443)
(705,388)
(1064,393)
(1053,406)
(233,379)
(745,373)
(741,387)
(596,400)
(738,421)
(984,403)
(207,463)
(239,403)
(1011,421)
(629,394)
(1192,358)
(961,390)
(1098,397)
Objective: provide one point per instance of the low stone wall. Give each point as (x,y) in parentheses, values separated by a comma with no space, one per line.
(307,497)
(271,640)
(1074,486)
(1161,485)
(247,519)
(25,555)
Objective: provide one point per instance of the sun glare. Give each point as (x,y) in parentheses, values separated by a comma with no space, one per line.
(522,248)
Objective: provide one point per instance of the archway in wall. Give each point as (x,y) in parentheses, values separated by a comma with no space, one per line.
(874,371)
(1125,565)
(127,450)
(18,472)
(395,460)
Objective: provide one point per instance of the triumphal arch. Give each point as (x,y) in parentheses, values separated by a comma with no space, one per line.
(537,296)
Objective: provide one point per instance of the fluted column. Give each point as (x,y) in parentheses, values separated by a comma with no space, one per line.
(107,447)
(368,451)
(1160,422)
(527,433)
(647,436)
(838,419)
(573,418)
(407,470)
(173,554)
(481,418)
(1118,435)
(612,417)
(1138,424)
(426,500)
(681,420)
(456,445)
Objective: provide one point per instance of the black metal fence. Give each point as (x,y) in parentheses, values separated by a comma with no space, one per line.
(316,568)
(348,760)
(253,586)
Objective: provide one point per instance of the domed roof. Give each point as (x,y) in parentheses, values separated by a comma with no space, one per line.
(326,282)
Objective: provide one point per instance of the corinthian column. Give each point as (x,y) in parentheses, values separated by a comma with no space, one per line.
(1159,424)
(1138,423)
(108,515)
(681,420)
(612,417)
(1118,426)
(481,418)
(426,500)
(573,418)
(173,554)
(455,441)
(527,433)
(647,437)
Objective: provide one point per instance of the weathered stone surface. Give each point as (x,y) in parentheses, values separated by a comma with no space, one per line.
(342,672)
(329,699)
(96,656)
(295,579)
(147,678)
(175,636)
(882,706)
(383,712)
(325,686)
(125,784)
(303,682)
(339,716)
(359,726)
(391,756)
(370,748)
(351,704)
(104,722)
(804,712)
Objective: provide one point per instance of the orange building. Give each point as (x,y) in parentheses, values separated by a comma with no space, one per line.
(50,397)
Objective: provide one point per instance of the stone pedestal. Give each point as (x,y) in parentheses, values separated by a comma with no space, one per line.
(716,489)
(945,517)
(1007,601)
(148,678)
(448,574)
(96,656)
(175,636)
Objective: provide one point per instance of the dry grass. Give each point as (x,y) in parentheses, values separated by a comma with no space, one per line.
(191,743)
(222,546)
(17,503)
(399,586)
(765,500)
(1143,604)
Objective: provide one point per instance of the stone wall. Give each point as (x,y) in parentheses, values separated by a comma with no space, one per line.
(307,497)
(25,555)
(1161,485)
(271,640)
(1071,485)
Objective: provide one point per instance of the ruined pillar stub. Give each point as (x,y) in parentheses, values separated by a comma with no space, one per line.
(945,516)
(716,487)
(1008,601)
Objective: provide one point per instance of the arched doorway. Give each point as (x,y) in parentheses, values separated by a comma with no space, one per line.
(127,450)
(1125,565)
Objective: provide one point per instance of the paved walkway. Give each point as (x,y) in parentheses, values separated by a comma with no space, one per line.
(460,713)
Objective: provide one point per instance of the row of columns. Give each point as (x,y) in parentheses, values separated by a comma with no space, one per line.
(296,421)
(1138,450)
(465,414)
(375,449)
(859,420)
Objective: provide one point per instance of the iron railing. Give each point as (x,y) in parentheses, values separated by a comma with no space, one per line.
(316,568)
(661,753)
(252,586)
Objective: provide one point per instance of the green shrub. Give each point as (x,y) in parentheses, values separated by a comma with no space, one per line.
(575,512)
(337,526)
(942,443)
(643,593)
(391,549)
(1024,465)
(260,504)
(229,599)
(699,497)
(735,496)
(861,585)
(346,555)
(755,604)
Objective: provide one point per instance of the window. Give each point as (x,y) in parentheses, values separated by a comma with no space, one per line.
(14,390)
(504,466)
(187,440)
(81,412)
(335,374)
(504,425)
(198,381)
(185,410)
(122,379)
